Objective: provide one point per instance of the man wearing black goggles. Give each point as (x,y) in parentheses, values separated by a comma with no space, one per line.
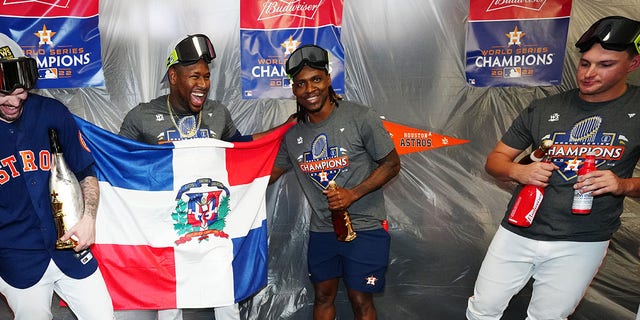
(600,112)
(184,113)
(30,265)
(368,160)
(613,33)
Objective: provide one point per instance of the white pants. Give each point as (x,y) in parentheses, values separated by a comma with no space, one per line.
(88,298)
(222,313)
(562,272)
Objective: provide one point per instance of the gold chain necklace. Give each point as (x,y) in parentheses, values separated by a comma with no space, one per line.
(186,125)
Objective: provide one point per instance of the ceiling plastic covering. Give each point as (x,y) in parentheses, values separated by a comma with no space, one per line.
(404,59)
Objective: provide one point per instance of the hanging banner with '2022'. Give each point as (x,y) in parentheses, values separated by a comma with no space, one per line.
(270,30)
(63,37)
(516,42)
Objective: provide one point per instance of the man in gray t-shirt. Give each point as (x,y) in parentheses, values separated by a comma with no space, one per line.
(185,113)
(345,143)
(562,251)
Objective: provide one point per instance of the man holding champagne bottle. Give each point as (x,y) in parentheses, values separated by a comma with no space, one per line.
(560,250)
(343,143)
(31,268)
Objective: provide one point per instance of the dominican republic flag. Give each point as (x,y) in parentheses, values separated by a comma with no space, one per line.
(181,225)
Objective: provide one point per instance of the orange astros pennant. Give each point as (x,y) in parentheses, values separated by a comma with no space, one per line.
(409,140)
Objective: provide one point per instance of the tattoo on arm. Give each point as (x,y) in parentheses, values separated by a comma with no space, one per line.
(91,194)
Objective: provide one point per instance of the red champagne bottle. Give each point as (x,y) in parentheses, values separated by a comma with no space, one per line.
(582,201)
(527,203)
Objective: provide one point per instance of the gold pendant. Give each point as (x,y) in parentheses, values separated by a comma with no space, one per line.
(187,126)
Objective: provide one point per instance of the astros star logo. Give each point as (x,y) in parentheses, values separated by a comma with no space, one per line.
(45,36)
(290,45)
(572,165)
(514,37)
(371,280)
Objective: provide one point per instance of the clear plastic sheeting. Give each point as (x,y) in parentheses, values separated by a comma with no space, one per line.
(404,59)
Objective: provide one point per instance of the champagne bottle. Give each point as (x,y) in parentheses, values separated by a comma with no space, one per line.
(66,196)
(537,154)
(582,201)
(341,221)
(527,203)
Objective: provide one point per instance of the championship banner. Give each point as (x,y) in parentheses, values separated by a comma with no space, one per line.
(63,37)
(516,43)
(181,225)
(270,30)
(410,140)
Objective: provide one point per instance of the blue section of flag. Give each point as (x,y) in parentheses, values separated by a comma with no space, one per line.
(264,55)
(126,163)
(250,262)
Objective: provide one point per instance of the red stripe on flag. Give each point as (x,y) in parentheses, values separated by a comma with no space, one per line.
(138,277)
(248,160)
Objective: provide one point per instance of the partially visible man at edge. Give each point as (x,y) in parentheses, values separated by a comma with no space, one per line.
(184,113)
(562,251)
(31,268)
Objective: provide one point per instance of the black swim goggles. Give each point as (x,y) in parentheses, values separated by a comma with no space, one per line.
(191,49)
(18,73)
(307,55)
(613,33)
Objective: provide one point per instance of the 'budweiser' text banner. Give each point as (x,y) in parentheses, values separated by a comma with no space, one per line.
(270,30)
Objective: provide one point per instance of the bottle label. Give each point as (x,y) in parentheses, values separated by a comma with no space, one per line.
(582,202)
(525,208)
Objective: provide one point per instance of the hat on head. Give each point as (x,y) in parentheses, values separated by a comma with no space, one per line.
(9,49)
(190,50)
(613,33)
(16,70)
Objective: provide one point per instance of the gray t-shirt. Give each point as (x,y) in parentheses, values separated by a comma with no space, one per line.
(344,147)
(151,123)
(611,129)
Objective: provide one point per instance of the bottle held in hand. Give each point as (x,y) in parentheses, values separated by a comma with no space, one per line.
(527,202)
(66,196)
(582,202)
(341,221)
(538,154)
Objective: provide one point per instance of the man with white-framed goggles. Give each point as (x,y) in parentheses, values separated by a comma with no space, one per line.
(191,49)
(613,33)
(18,73)
(307,55)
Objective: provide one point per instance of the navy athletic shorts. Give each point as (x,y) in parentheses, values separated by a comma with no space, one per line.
(362,263)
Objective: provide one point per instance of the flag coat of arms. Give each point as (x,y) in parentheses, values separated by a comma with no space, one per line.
(181,225)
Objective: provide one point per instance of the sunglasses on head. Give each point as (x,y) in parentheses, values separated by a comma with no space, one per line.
(309,55)
(18,73)
(613,33)
(192,49)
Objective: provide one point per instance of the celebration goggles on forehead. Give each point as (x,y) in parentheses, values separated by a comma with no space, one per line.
(613,33)
(310,55)
(18,73)
(192,49)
